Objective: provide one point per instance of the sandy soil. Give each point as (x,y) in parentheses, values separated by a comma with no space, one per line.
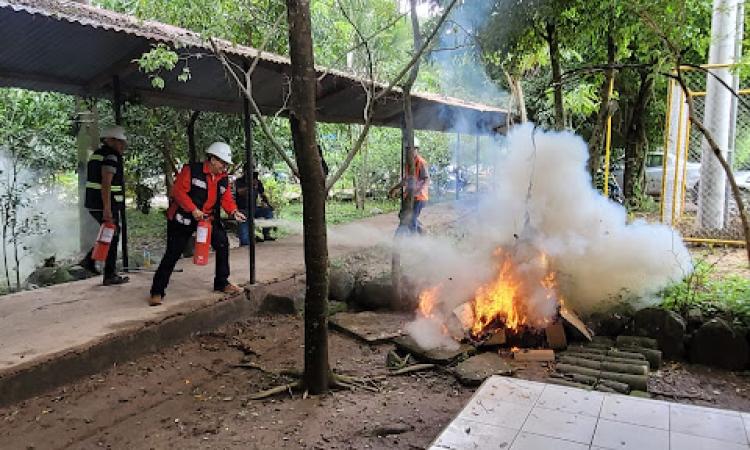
(194,395)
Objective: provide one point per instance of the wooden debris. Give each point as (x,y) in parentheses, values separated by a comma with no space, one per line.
(529,355)
(568,383)
(556,338)
(639,382)
(622,388)
(603,340)
(653,357)
(637,341)
(636,369)
(584,379)
(496,338)
(574,321)
(604,388)
(410,369)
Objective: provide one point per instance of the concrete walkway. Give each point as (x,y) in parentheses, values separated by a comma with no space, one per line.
(516,414)
(72,322)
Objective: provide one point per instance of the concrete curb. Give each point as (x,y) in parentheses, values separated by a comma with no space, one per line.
(38,377)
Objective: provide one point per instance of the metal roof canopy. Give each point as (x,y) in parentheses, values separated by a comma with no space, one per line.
(77,49)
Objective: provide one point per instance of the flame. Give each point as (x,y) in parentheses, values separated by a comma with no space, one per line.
(501,302)
(428,301)
(498,299)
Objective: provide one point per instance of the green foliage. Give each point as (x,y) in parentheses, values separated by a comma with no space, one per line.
(343,212)
(276,192)
(742,150)
(728,296)
(36,127)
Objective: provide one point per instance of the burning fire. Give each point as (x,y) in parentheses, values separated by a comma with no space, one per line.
(504,301)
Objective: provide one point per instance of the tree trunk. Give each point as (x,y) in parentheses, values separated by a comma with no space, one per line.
(312,180)
(554,58)
(407,206)
(597,135)
(169,165)
(635,140)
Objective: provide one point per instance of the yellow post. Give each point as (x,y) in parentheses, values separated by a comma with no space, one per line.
(677,152)
(608,140)
(667,127)
(686,144)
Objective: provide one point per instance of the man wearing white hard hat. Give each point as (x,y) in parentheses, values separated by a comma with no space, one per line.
(199,192)
(105,196)
(417,183)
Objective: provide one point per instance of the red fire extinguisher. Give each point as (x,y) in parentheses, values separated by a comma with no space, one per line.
(103,241)
(202,242)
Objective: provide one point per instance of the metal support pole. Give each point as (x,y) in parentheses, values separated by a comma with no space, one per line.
(456,169)
(117,106)
(247,125)
(477,165)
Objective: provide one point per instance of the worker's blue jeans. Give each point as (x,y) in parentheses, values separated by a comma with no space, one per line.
(415,226)
(244,229)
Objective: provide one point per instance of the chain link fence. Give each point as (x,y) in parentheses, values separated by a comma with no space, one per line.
(696,196)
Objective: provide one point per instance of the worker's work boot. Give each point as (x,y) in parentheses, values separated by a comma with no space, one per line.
(115,280)
(155,300)
(231,289)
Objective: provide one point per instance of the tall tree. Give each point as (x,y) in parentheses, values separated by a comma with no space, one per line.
(312,179)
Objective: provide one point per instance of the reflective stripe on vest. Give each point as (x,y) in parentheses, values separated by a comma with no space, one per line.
(96,158)
(119,198)
(91,185)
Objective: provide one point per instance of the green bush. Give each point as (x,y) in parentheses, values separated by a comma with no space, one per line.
(276,193)
(728,296)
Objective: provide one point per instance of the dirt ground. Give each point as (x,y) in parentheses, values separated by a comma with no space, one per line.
(194,395)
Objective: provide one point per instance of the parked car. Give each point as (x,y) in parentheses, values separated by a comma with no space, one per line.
(655,170)
(742,177)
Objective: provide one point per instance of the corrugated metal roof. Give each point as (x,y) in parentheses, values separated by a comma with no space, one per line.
(77,49)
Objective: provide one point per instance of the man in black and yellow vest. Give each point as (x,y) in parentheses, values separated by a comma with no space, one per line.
(200,191)
(105,196)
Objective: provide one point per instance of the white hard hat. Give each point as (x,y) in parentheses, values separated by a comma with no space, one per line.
(116,132)
(221,151)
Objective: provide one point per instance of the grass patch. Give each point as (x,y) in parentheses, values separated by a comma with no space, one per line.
(338,212)
(727,297)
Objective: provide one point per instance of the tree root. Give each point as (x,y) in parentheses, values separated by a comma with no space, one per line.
(410,369)
(276,390)
(335,381)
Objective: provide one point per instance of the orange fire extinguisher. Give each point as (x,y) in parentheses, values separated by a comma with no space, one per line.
(103,241)
(202,242)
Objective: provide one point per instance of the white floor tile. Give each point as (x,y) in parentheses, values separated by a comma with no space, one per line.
(511,390)
(708,423)
(623,436)
(528,441)
(647,413)
(464,435)
(560,424)
(577,401)
(494,412)
(680,441)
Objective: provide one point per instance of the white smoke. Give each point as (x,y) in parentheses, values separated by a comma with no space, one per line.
(47,220)
(542,199)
